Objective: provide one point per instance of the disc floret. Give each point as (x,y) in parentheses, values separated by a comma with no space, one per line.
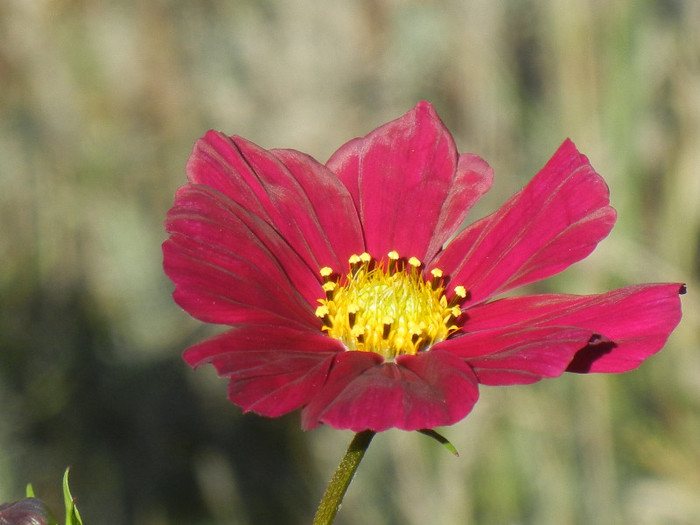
(387,306)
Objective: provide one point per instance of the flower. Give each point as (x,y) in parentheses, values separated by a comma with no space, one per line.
(27,511)
(352,295)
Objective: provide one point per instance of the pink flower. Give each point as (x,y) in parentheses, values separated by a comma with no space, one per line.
(352,295)
(27,511)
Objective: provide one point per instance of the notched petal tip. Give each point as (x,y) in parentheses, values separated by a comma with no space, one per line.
(400,176)
(555,221)
(634,323)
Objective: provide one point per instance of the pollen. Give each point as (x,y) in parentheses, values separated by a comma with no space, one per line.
(388,306)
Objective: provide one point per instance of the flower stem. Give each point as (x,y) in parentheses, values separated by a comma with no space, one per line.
(330,503)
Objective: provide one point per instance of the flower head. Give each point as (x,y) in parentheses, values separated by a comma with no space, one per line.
(27,511)
(352,295)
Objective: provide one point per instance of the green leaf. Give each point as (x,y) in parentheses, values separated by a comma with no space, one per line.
(72,514)
(440,439)
(30,491)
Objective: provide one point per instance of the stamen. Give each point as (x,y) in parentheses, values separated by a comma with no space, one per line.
(329,287)
(355,263)
(388,306)
(323,312)
(358,333)
(414,262)
(352,314)
(459,296)
(455,312)
(393,261)
(388,321)
(437,281)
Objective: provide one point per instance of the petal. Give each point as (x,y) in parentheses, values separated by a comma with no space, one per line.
(633,323)
(473,179)
(408,183)
(329,206)
(415,392)
(272,370)
(556,220)
(517,355)
(230,266)
(26,511)
(295,194)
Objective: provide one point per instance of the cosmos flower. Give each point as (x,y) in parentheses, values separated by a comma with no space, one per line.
(27,511)
(352,294)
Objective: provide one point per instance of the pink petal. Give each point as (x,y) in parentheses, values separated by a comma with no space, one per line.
(422,391)
(330,209)
(272,370)
(517,355)
(473,179)
(556,220)
(633,323)
(408,183)
(229,266)
(292,192)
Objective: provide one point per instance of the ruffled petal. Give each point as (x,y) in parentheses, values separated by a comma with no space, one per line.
(423,391)
(556,220)
(517,355)
(408,184)
(272,370)
(292,192)
(229,266)
(628,324)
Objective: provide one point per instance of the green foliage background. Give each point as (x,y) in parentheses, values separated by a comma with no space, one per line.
(100,102)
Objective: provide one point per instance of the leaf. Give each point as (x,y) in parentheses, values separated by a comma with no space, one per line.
(440,439)
(72,514)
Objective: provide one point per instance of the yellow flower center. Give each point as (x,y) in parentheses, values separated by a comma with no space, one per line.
(388,307)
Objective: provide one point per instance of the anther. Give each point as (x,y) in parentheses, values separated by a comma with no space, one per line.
(393,261)
(329,287)
(354,261)
(387,322)
(437,278)
(322,313)
(455,312)
(415,263)
(326,272)
(459,296)
(352,314)
(358,332)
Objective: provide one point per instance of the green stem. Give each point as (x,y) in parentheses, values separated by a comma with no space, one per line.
(341,479)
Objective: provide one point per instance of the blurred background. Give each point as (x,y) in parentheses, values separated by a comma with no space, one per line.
(100,103)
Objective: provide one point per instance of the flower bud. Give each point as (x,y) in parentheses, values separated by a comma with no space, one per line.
(27,511)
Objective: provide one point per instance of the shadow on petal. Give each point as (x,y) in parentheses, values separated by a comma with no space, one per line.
(596,348)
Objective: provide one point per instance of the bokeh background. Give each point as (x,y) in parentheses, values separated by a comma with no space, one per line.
(100,103)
